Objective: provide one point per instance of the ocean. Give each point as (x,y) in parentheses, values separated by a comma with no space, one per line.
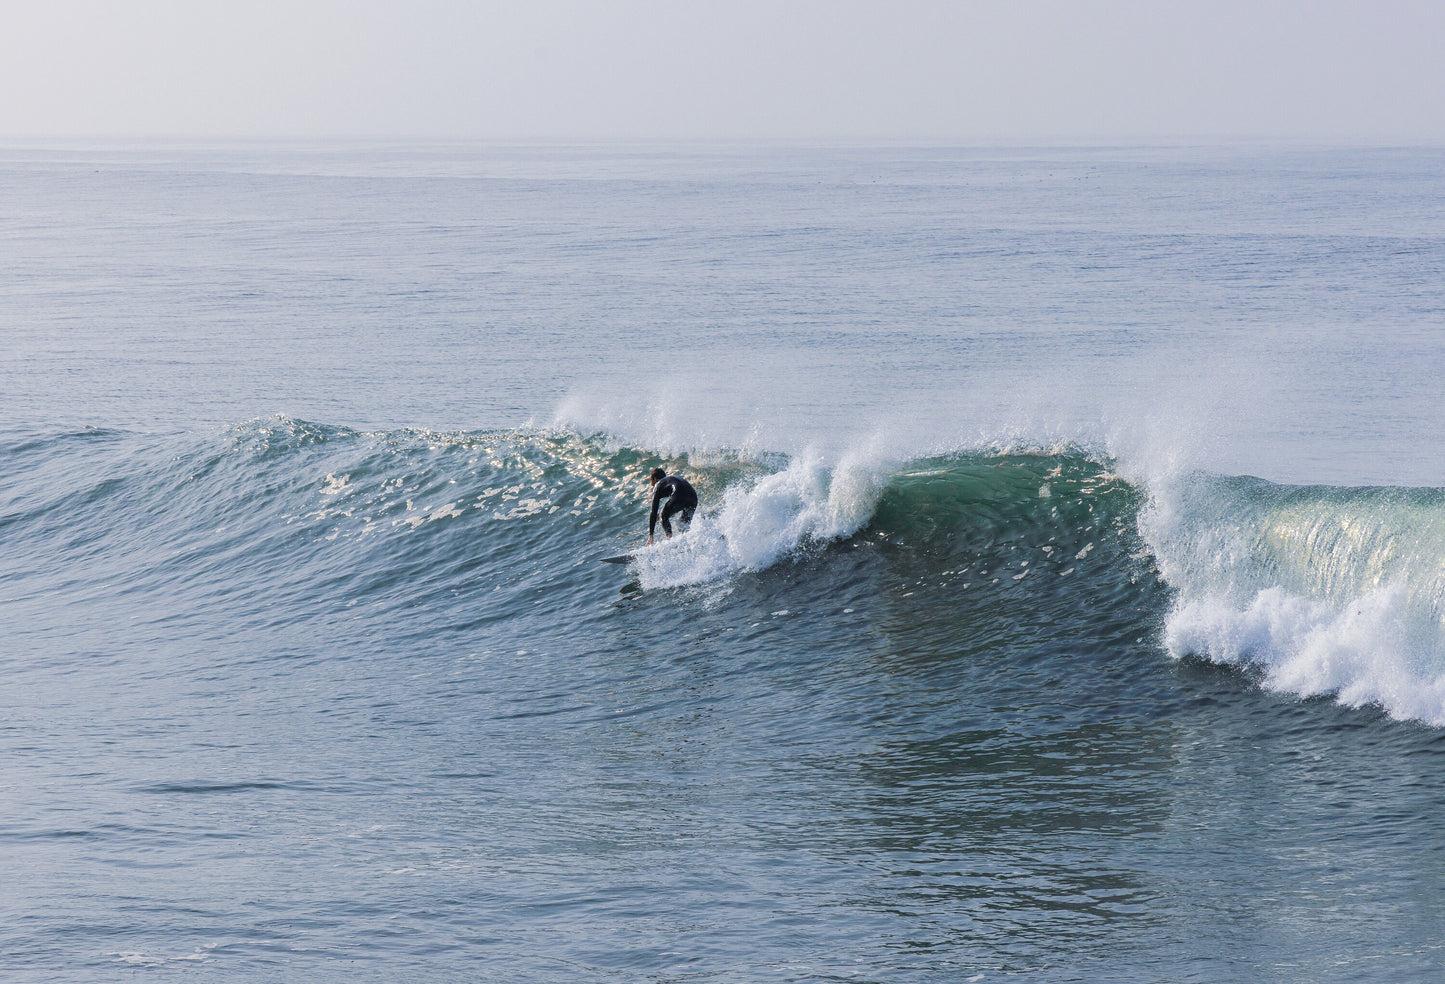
(1066,600)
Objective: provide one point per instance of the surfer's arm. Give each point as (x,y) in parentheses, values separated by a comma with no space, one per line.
(656,501)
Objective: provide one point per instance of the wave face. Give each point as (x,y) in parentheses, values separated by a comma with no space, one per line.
(1327,590)
(283,524)
(1324,590)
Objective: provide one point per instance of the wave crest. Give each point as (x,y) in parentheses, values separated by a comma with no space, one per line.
(1327,590)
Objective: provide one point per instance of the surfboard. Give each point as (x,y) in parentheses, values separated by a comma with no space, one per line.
(617,560)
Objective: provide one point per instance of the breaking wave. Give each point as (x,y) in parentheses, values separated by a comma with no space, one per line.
(1318,590)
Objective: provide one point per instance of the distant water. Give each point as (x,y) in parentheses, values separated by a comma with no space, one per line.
(1067,600)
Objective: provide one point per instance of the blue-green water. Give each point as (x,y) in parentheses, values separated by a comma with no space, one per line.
(986,657)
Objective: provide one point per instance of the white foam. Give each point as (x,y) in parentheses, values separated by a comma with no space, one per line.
(1327,595)
(1365,654)
(763,520)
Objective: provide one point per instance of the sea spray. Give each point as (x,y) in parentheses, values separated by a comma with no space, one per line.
(1327,590)
(763,519)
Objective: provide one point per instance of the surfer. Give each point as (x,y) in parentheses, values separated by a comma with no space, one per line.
(682,502)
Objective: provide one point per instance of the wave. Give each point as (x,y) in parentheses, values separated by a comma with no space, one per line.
(1321,590)
(1327,590)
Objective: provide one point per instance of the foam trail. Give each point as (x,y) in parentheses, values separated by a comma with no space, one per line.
(762,520)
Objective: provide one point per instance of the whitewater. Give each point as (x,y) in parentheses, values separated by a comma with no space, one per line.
(1066,600)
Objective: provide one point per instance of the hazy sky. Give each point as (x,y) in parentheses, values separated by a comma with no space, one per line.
(618,68)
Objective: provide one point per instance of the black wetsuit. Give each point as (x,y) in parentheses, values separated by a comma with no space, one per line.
(682,503)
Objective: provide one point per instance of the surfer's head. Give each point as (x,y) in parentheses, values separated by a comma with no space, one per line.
(657,475)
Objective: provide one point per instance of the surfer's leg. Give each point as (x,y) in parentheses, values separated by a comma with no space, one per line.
(672,509)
